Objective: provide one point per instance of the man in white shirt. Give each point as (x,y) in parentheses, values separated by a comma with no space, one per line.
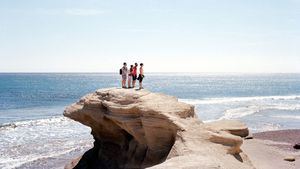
(124,74)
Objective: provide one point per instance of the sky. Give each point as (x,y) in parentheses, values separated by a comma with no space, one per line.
(255,36)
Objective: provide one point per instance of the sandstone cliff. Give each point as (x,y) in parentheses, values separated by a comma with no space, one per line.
(140,129)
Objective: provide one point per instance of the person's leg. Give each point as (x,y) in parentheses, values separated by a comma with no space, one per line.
(129,81)
(124,81)
(133,81)
(141,81)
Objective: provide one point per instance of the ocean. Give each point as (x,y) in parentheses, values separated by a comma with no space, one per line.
(34,134)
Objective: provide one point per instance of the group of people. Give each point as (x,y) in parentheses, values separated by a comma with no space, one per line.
(131,75)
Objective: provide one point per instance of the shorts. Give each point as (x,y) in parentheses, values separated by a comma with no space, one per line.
(134,77)
(140,78)
(124,77)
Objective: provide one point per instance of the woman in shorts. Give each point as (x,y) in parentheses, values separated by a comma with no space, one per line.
(141,75)
(134,74)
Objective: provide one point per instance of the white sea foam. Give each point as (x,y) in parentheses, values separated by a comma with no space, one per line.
(266,127)
(238,107)
(287,117)
(27,141)
(222,100)
(16,162)
(249,110)
(262,113)
(240,112)
(46,121)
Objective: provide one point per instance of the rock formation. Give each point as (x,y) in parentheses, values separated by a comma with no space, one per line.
(140,129)
(297,146)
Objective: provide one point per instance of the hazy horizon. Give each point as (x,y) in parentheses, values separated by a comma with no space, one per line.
(167,36)
(116,72)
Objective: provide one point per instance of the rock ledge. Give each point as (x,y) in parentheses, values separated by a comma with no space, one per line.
(140,129)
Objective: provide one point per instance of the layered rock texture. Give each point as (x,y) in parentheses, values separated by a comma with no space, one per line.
(138,129)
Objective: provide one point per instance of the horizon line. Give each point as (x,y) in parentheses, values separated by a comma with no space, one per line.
(108,72)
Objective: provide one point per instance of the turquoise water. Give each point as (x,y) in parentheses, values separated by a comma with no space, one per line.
(31,107)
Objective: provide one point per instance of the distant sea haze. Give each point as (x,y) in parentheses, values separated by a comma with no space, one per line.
(31,106)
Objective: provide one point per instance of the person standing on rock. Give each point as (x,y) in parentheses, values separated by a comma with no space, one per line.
(124,72)
(130,76)
(134,75)
(141,75)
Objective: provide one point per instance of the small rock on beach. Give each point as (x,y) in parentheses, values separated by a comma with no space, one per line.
(297,146)
(290,158)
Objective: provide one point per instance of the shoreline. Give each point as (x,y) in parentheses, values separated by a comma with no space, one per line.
(267,148)
(265,145)
(264,150)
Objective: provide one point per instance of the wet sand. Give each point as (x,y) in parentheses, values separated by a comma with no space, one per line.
(268,149)
(284,136)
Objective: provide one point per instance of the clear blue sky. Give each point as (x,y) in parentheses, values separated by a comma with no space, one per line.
(167,35)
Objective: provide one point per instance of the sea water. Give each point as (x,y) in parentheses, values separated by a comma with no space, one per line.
(34,134)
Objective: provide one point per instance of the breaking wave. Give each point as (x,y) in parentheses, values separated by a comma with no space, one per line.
(26,141)
(222,100)
(259,113)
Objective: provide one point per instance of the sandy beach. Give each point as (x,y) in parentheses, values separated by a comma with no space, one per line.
(268,149)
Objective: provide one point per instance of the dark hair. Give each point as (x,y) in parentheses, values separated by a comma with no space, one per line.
(124,63)
(135,64)
(141,64)
(131,65)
